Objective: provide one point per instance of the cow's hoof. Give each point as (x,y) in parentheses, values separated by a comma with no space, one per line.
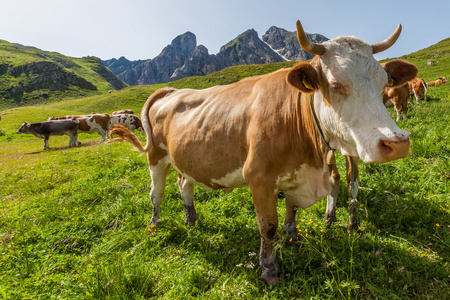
(270,270)
(269,278)
(190,215)
(330,219)
(293,236)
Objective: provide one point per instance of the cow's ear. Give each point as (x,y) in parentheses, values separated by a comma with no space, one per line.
(304,77)
(27,124)
(400,71)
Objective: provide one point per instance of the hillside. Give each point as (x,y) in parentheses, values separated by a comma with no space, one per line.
(30,75)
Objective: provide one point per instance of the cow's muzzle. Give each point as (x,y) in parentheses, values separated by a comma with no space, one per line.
(394,148)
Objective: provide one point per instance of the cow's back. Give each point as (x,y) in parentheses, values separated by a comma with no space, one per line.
(211,133)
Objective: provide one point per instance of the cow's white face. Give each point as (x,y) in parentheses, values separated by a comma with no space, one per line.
(349,102)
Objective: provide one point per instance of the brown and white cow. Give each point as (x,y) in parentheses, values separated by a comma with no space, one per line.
(46,129)
(439,81)
(260,132)
(131,122)
(417,89)
(399,96)
(123,111)
(90,123)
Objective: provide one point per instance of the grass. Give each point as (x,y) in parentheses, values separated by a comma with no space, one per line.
(74,221)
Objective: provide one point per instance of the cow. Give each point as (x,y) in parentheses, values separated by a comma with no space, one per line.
(123,111)
(399,96)
(417,89)
(439,81)
(131,122)
(46,129)
(90,123)
(275,132)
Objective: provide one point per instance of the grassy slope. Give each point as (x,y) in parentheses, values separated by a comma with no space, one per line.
(15,55)
(74,221)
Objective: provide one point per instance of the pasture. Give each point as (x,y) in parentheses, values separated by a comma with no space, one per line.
(74,221)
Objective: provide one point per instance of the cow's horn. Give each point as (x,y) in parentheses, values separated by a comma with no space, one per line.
(312,48)
(384,45)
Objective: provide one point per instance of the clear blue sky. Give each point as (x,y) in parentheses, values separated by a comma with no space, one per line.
(140,29)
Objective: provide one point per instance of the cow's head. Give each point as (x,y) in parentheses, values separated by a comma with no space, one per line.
(25,128)
(346,84)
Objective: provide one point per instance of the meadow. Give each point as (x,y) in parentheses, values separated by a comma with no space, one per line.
(74,222)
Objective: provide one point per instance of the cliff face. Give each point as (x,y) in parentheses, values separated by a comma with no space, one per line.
(286,43)
(183,58)
(161,68)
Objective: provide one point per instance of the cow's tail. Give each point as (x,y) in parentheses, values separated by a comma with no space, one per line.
(127,136)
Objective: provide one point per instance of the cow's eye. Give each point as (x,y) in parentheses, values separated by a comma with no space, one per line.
(337,88)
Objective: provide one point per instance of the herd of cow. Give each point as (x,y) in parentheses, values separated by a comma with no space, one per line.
(274,133)
(71,125)
(399,95)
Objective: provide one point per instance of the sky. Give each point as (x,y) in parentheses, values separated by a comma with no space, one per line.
(140,29)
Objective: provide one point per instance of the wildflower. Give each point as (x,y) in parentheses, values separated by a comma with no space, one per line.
(326,264)
(246,283)
(153,225)
(437,225)
(321,230)
(422,255)
(377,253)
(290,240)
(428,250)
(175,228)
(306,230)
(306,235)
(315,225)
(361,205)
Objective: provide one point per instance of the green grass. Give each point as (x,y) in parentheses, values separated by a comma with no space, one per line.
(74,221)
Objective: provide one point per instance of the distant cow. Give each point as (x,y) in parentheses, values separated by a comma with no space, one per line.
(275,132)
(54,127)
(439,81)
(131,122)
(123,111)
(417,89)
(399,96)
(90,123)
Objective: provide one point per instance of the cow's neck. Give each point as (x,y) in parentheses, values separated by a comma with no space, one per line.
(306,137)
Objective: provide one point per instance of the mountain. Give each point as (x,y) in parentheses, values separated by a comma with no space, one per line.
(121,65)
(285,43)
(182,58)
(161,68)
(28,74)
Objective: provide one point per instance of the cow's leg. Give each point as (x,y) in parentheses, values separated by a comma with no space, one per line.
(398,113)
(405,108)
(353,219)
(330,212)
(289,221)
(416,96)
(158,173)
(104,133)
(187,195)
(46,142)
(265,202)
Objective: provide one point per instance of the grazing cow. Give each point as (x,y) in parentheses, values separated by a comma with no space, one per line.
(90,123)
(399,96)
(274,132)
(123,111)
(439,81)
(46,129)
(131,122)
(417,88)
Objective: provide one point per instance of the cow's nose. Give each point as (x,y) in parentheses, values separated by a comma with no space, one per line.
(394,148)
